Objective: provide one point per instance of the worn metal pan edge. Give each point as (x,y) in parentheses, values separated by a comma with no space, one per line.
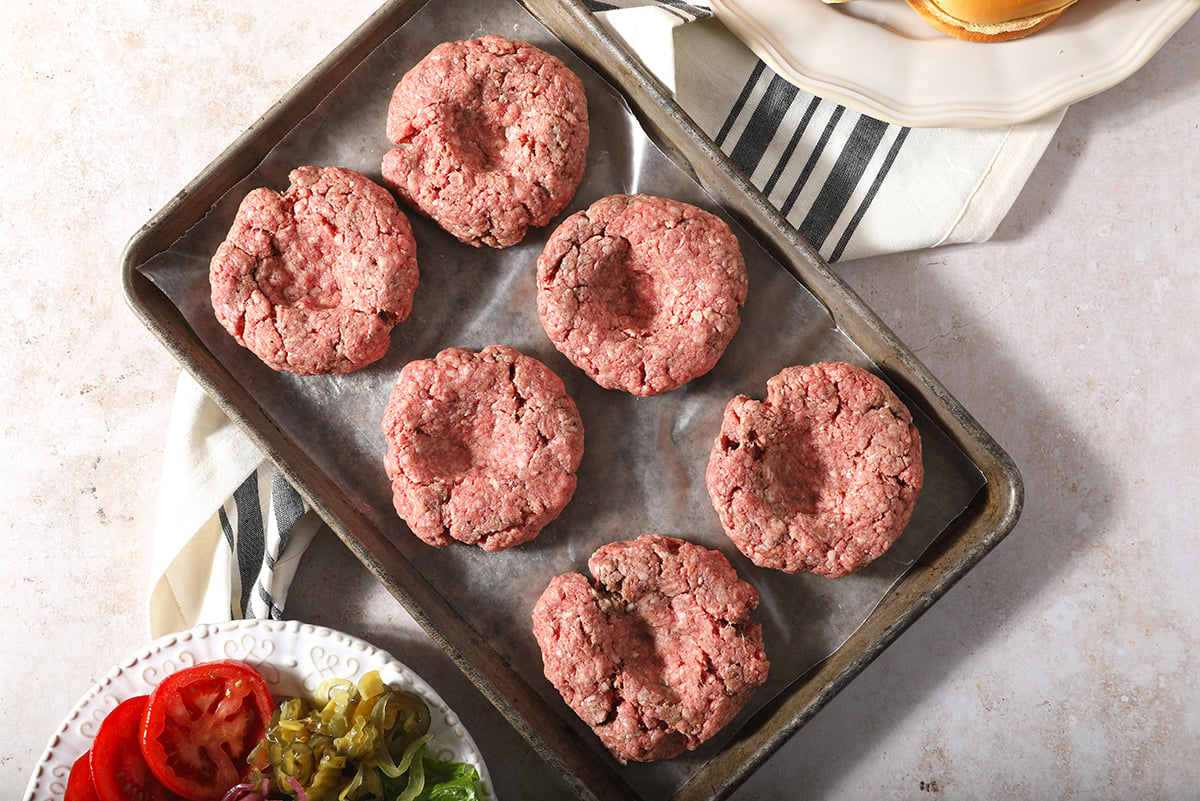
(990,517)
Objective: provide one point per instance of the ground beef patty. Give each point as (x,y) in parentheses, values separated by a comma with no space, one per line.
(314,279)
(642,293)
(491,138)
(822,476)
(659,652)
(482,447)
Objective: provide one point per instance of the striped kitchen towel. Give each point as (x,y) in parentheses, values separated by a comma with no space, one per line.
(230,531)
(852,185)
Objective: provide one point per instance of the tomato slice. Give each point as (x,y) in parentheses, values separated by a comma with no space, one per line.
(119,771)
(200,725)
(80,786)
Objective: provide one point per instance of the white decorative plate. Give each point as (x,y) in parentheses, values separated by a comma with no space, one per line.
(293,657)
(881,58)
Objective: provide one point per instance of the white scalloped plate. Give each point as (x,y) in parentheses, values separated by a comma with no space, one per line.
(293,657)
(879,57)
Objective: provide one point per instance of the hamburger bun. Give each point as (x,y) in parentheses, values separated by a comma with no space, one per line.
(990,20)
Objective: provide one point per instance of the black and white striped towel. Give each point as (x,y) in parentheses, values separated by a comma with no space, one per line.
(230,531)
(852,185)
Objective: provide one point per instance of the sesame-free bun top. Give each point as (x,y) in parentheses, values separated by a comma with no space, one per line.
(990,20)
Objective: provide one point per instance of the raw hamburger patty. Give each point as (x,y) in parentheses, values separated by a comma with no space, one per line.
(658,652)
(822,476)
(642,293)
(491,138)
(313,280)
(482,447)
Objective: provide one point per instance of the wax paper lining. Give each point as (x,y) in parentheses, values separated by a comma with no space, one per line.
(645,458)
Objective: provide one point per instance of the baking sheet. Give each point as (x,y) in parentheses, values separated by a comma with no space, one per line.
(644,461)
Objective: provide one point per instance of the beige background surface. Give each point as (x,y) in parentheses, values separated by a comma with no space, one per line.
(1064,666)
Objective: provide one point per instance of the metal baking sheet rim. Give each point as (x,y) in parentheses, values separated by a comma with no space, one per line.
(990,517)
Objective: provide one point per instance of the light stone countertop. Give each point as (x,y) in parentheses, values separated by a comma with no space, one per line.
(1064,666)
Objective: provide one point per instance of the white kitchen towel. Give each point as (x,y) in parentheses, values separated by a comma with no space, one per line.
(230,531)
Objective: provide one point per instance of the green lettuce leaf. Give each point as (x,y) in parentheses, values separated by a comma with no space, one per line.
(444,781)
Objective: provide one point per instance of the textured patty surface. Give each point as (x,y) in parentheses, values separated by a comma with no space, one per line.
(313,280)
(656,654)
(642,293)
(491,138)
(482,447)
(821,476)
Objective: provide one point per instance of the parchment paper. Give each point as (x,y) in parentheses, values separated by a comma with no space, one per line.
(644,460)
